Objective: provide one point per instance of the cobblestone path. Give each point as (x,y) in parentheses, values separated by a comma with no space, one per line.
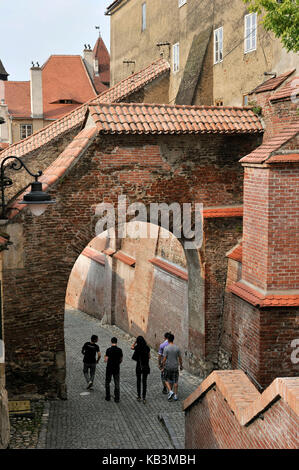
(89,422)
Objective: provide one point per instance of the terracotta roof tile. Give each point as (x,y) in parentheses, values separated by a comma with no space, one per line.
(286,92)
(235,211)
(101,53)
(257,299)
(236,253)
(110,119)
(94,255)
(285,158)
(74,118)
(64,77)
(270,146)
(272,83)
(170,268)
(17,98)
(125,258)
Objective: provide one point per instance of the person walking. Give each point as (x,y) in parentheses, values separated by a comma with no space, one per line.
(172,358)
(141,356)
(160,359)
(92,355)
(113,358)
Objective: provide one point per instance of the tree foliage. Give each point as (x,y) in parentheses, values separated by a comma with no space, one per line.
(281,17)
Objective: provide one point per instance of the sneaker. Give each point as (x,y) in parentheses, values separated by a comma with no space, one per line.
(89,385)
(116,400)
(139,398)
(144,401)
(175,397)
(165,391)
(170,395)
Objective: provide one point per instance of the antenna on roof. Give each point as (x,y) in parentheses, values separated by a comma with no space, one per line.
(85,46)
(89,47)
(97,27)
(37,64)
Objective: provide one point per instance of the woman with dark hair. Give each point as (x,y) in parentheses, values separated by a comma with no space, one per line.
(141,356)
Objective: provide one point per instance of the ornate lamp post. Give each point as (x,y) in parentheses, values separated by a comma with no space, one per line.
(37,199)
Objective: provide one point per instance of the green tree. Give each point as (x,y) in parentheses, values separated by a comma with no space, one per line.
(281,17)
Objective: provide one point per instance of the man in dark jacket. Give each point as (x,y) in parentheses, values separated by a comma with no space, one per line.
(113,358)
(92,356)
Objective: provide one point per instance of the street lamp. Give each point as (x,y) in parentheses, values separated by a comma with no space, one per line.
(37,200)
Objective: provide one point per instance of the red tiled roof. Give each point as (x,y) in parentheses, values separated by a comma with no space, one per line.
(272,83)
(120,91)
(162,264)
(101,53)
(64,77)
(270,146)
(58,168)
(236,253)
(99,86)
(286,92)
(3,145)
(134,82)
(259,300)
(17,98)
(134,118)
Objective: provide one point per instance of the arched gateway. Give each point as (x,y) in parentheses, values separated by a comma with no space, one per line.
(150,154)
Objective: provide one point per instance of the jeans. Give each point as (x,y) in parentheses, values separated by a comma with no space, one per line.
(142,375)
(89,368)
(115,375)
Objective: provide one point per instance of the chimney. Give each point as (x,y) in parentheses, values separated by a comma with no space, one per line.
(36,92)
(89,60)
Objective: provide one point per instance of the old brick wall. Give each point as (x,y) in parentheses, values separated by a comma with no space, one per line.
(234,269)
(277,115)
(151,169)
(211,424)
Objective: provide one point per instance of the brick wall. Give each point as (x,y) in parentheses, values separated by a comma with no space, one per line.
(226,412)
(147,169)
(271,227)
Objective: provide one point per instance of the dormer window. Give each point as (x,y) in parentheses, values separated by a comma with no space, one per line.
(66,101)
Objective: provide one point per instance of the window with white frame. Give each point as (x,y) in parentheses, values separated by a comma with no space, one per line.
(143,14)
(250,32)
(182,2)
(25,130)
(218,45)
(176,57)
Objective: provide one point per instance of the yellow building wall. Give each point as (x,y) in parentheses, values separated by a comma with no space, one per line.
(234,77)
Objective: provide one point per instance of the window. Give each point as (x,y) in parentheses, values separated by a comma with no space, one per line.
(182,2)
(219,102)
(218,45)
(250,28)
(245,100)
(143,21)
(176,57)
(25,130)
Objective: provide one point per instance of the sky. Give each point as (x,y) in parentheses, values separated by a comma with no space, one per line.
(32,30)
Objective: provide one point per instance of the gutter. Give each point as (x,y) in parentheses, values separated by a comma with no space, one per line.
(111,7)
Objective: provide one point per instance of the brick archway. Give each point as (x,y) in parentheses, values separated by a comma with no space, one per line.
(96,168)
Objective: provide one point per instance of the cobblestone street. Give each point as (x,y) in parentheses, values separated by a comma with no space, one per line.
(87,421)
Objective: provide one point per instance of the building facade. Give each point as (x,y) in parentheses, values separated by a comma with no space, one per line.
(60,85)
(217,50)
